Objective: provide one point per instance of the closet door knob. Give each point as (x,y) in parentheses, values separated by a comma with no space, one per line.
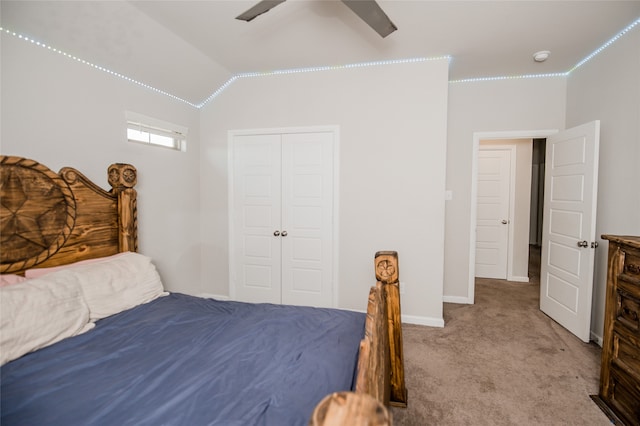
(276,233)
(284,233)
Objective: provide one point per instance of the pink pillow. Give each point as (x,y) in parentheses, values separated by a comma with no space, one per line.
(38,272)
(8,279)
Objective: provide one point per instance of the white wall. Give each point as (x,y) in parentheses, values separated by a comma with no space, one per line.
(607,88)
(487,106)
(62,113)
(392,121)
(518,265)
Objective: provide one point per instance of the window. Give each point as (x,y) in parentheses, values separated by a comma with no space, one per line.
(152,131)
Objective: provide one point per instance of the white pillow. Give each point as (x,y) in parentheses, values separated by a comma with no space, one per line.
(38,313)
(38,272)
(116,284)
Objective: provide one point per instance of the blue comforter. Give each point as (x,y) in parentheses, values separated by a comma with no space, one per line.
(183,360)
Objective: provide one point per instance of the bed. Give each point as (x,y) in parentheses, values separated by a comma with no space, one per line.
(91,337)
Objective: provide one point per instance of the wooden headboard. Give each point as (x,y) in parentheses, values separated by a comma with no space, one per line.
(51,219)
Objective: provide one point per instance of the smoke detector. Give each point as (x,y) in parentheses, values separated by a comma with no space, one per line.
(541,56)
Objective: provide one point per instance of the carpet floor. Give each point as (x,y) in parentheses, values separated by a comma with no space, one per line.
(500,361)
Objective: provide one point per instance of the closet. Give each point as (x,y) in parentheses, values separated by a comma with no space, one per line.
(282,217)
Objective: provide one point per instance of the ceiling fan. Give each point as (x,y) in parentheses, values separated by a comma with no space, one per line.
(368,10)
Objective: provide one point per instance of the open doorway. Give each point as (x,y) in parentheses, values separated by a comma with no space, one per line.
(520,221)
(510,200)
(537,207)
(569,209)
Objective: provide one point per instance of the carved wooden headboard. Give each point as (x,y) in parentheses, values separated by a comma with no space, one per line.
(51,219)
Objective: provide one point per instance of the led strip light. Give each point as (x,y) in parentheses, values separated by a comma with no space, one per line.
(92,65)
(510,77)
(315,69)
(218,91)
(604,46)
(559,74)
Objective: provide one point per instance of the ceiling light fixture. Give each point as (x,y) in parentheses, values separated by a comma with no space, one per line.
(541,56)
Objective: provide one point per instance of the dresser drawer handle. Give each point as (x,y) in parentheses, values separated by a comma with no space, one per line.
(629,313)
(634,269)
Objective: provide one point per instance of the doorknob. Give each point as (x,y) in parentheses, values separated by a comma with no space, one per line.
(276,233)
(505,221)
(582,244)
(284,233)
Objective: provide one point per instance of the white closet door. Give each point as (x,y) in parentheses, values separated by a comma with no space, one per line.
(307,206)
(281,218)
(256,217)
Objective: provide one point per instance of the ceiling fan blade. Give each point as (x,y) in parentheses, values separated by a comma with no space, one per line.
(258,9)
(371,13)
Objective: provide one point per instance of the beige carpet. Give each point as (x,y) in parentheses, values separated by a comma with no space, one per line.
(500,361)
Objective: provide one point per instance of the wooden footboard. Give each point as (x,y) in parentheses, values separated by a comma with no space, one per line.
(386,335)
(380,379)
(374,365)
(387,273)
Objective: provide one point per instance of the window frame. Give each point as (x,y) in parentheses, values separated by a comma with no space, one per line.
(155,132)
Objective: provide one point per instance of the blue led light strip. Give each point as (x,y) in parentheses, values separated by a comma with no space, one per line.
(604,46)
(323,68)
(92,65)
(314,69)
(560,74)
(510,77)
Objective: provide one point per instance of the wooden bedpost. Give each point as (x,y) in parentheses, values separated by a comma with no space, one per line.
(122,178)
(349,408)
(387,272)
(374,367)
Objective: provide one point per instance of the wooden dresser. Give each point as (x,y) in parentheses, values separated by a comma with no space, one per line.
(619,394)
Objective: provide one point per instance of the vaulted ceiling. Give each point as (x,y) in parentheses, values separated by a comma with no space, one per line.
(191,48)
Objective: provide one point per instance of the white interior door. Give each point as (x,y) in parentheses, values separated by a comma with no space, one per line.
(492,229)
(307,199)
(256,272)
(568,233)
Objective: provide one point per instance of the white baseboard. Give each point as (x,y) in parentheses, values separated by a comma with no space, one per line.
(428,321)
(519,279)
(213,296)
(597,339)
(409,319)
(457,299)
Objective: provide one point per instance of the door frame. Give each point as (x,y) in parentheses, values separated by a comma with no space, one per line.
(477,137)
(335,130)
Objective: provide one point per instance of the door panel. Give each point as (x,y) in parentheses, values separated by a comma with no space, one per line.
(256,179)
(492,235)
(566,278)
(307,196)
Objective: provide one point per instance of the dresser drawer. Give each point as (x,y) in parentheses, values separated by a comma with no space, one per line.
(625,397)
(626,354)
(628,312)
(631,268)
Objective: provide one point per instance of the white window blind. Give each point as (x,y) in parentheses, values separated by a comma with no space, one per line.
(156,132)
